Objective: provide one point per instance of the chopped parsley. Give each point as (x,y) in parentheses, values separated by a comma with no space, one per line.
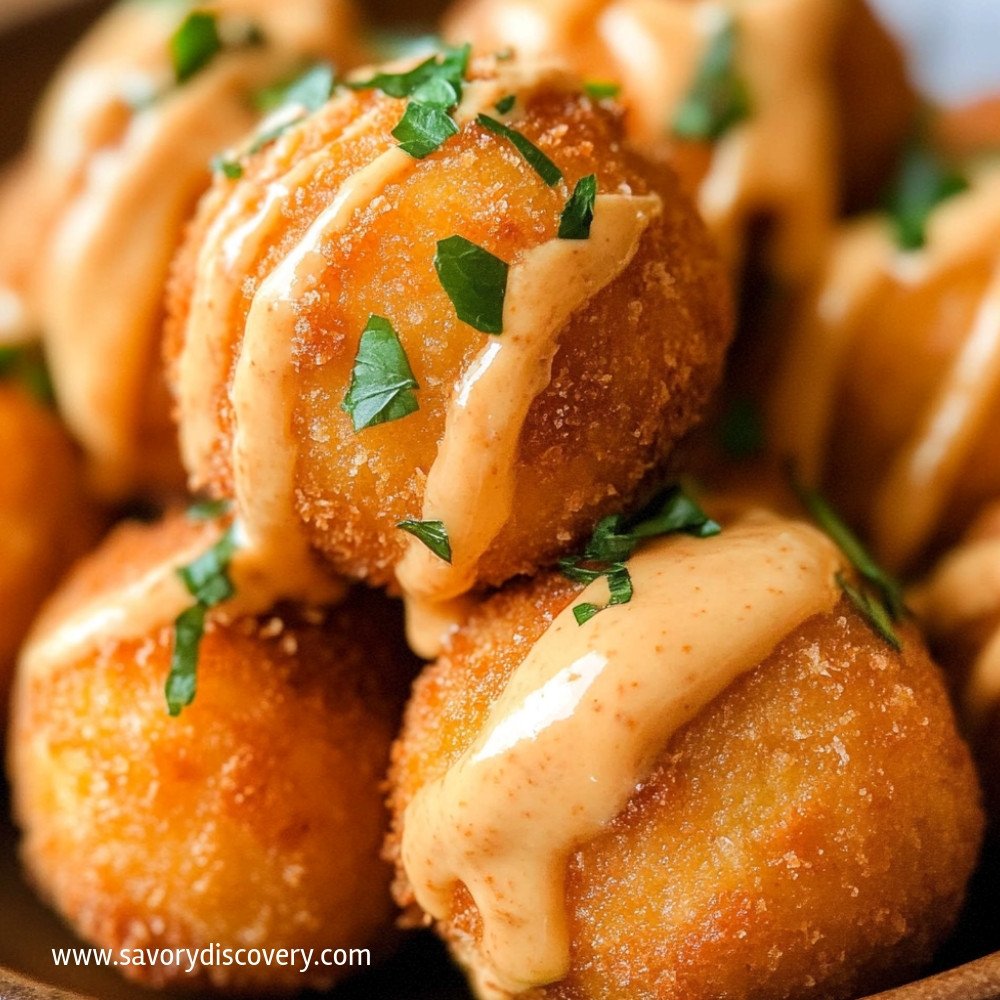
(741,431)
(880,597)
(194,44)
(474,280)
(434,88)
(382,383)
(207,581)
(718,98)
(423,128)
(544,167)
(208,510)
(599,90)
(25,363)
(574,223)
(923,182)
(505,103)
(290,103)
(309,90)
(432,533)
(616,538)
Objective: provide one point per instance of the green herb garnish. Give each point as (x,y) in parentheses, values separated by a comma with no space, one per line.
(574,223)
(718,98)
(599,90)
(208,510)
(881,598)
(231,169)
(923,182)
(545,168)
(194,44)
(505,103)
(25,363)
(434,88)
(615,539)
(207,581)
(382,383)
(310,90)
(451,66)
(423,128)
(474,280)
(432,533)
(741,431)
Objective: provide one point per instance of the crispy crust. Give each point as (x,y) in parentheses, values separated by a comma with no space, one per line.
(811,831)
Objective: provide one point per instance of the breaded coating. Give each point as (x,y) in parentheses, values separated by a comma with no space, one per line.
(634,369)
(254,819)
(809,834)
(46,521)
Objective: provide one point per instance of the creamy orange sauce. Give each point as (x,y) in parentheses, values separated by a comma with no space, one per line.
(507,815)
(120,184)
(864,265)
(779,162)
(963,592)
(471,484)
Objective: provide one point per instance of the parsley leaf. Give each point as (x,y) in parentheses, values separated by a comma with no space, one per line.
(230,169)
(423,128)
(880,599)
(741,431)
(873,611)
(598,90)
(25,363)
(432,533)
(382,381)
(615,539)
(923,182)
(208,510)
(451,65)
(833,525)
(310,90)
(574,223)
(505,103)
(194,44)
(718,97)
(207,580)
(545,168)
(474,280)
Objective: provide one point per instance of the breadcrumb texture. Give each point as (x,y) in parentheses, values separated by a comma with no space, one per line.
(254,819)
(45,520)
(634,368)
(809,834)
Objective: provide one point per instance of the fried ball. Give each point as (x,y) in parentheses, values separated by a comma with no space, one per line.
(119,155)
(959,606)
(253,820)
(810,832)
(46,520)
(634,366)
(889,392)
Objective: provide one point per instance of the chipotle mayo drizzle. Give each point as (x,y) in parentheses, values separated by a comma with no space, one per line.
(865,264)
(471,484)
(507,815)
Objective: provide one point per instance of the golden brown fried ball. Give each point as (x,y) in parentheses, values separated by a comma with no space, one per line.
(809,833)
(635,364)
(46,520)
(254,819)
(889,392)
(119,155)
